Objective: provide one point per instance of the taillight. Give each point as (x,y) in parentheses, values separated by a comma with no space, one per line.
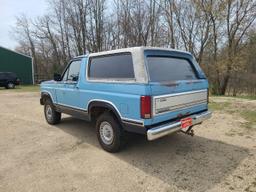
(145,107)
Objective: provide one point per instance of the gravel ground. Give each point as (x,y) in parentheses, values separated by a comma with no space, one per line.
(35,156)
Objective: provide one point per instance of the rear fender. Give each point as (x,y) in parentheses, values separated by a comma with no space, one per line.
(106,105)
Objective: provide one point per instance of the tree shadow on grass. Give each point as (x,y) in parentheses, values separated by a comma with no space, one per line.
(190,163)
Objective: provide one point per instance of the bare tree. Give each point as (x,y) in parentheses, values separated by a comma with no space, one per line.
(23,28)
(216,32)
(240,15)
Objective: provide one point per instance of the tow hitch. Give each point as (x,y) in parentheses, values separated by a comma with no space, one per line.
(189,131)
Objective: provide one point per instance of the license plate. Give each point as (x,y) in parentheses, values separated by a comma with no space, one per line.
(186,122)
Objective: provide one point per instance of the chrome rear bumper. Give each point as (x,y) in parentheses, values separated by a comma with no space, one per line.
(166,129)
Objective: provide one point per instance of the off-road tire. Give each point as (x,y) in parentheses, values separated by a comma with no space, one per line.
(55,116)
(118,141)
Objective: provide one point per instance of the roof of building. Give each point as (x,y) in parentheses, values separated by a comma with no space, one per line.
(15,52)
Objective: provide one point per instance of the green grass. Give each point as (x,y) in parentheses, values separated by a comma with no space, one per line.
(249,116)
(250,97)
(218,106)
(22,88)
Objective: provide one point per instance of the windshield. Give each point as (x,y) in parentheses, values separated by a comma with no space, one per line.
(162,69)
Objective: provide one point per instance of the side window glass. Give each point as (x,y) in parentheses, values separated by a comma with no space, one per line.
(115,66)
(72,72)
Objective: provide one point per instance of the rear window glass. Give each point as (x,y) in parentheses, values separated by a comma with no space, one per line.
(169,69)
(112,66)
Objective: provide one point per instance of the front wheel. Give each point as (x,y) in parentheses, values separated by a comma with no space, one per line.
(10,85)
(51,115)
(110,133)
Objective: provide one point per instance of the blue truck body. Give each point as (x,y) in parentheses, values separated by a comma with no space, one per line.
(123,96)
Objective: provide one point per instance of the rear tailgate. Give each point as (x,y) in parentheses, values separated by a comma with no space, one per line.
(177,83)
(179,101)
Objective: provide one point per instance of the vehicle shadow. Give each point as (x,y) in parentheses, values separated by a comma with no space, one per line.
(190,163)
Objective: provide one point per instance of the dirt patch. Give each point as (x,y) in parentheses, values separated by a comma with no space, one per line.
(238,111)
(38,157)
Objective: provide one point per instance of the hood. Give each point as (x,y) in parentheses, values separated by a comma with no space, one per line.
(48,82)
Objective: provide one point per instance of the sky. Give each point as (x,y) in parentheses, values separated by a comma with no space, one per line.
(9,10)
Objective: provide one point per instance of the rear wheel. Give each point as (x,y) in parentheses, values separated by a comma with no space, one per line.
(110,133)
(51,115)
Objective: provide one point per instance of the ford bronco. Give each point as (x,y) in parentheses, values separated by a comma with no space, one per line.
(145,90)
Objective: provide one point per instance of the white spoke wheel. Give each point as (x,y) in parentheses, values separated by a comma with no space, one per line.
(106,132)
(110,133)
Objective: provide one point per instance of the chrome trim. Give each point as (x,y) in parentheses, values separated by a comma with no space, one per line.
(182,93)
(162,130)
(185,106)
(131,122)
(70,106)
(109,102)
(173,95)
(98,80)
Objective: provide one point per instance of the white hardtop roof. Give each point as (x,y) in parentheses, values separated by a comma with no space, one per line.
(135,49)
(138,59)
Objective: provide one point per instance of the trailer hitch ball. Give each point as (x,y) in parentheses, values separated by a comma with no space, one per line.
(190,131)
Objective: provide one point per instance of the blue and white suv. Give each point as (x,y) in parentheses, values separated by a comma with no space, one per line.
(145,90)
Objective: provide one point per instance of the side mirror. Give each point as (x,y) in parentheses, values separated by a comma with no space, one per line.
(57,77)
(75,78)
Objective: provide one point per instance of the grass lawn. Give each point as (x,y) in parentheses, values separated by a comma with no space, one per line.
(249,116)
(218,106)
(250,97)
(22,88)
(253,97)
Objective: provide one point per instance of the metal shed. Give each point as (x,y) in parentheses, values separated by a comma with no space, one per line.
(22,65)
